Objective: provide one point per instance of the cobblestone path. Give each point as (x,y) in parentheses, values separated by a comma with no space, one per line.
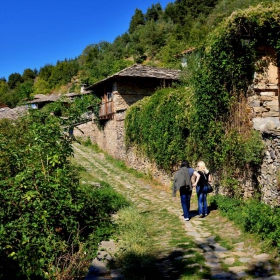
(227,253)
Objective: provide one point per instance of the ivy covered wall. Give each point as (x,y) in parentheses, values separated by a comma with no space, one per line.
(207,120)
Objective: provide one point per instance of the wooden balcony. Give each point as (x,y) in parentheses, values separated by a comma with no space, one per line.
(106,110)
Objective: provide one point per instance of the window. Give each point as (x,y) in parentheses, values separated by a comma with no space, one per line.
(109,96)
(114,88)
(184,61)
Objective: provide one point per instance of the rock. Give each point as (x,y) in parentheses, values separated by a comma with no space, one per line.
(97,268)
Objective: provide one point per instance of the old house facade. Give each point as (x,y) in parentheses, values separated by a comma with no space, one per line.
(117,93)
(122,89)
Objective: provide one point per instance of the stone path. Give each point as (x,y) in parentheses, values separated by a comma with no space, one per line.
(227,254)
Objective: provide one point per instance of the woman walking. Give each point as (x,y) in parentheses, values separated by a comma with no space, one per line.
(201,183)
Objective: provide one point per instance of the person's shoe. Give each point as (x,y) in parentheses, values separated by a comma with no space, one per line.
(200,216)
(186,219)
(206,215)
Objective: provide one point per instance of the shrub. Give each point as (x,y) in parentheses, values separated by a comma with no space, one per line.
(252,216)
(44,213)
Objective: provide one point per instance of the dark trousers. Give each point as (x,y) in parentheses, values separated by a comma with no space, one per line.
(185,195)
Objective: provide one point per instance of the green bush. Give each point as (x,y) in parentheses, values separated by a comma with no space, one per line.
(158,126)
(44,213)
(251,216)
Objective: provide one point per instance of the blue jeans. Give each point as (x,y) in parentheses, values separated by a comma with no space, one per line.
(202,200)
(185,201)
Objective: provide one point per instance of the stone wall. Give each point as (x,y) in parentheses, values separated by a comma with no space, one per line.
(269,182)
(137,161)
(263,181)
(263,103)
(110,138)
(262,107)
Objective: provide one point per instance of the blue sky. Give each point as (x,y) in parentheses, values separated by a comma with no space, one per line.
(36,33)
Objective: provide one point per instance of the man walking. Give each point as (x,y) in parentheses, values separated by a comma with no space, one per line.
(182,182)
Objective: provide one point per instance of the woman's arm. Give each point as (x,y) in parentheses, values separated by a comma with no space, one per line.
(197,176)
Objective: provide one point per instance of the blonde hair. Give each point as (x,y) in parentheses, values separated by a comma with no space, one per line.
(202,167)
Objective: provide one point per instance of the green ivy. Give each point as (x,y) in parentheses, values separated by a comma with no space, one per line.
(158,125)
(196,122)
(225,71)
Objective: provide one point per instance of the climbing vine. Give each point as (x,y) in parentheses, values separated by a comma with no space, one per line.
(208,119)
(220,85)
(158,126)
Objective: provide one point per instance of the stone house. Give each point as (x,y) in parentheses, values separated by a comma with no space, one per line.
(117,93)
(40,100)
(261,106)
(124,88)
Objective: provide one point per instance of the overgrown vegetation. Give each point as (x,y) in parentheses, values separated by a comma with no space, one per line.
(217,76)
(220,85)
(74,112)
(46,217)
(253,216)
(159,125)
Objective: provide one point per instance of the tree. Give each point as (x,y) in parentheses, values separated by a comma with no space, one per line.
(63,72)
(4,89)
(41,86)
(45,72)
(28,74)
(23,91)
(153,13)
(120,46)
(14,79)
(136,20)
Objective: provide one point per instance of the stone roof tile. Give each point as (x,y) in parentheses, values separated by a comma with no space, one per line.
(143,71)
(8,113)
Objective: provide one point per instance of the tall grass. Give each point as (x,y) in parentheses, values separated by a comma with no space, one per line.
(136,238)
(252,216)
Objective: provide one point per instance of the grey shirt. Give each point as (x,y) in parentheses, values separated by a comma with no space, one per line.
(181,178)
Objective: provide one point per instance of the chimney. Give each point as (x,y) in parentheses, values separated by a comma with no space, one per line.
(83,88)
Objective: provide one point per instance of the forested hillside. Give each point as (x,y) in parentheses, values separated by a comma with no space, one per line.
(51,221)
(154,37)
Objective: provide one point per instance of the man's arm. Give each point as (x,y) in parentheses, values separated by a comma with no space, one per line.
(173,190)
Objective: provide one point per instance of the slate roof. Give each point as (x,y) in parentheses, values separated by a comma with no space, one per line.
(143,71)
(74,94)
(8,113)
(185,52)
(39,98)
